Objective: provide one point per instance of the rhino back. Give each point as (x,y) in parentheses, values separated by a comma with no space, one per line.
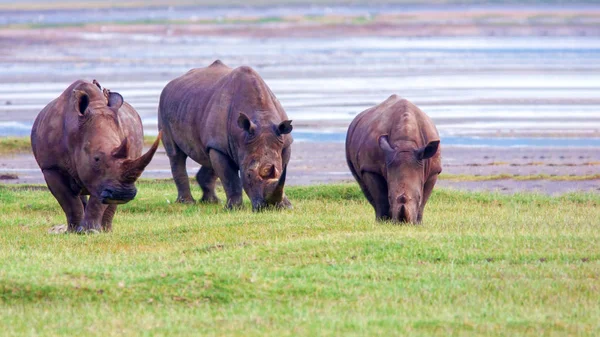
(396,117)
(200,108)
(183,112)
(47,135)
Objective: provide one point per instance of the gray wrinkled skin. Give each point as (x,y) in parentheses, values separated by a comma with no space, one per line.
(229,122)
(393,152)
(88,141)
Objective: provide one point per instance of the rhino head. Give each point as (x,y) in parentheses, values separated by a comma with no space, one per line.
(263,157)
(406,177)
(103,157)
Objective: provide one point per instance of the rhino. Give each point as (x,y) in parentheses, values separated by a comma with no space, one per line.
(88,141)
(229,122)
(393,151)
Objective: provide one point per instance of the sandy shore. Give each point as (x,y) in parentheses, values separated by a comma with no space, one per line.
(321,163)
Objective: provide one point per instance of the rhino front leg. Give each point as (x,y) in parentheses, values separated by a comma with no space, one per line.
(228,173)
(59,185)
(207,179)
(107,218)
(84,200)
(377,189)
(92,219)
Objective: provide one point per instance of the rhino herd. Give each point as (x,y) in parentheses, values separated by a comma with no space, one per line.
(88,142)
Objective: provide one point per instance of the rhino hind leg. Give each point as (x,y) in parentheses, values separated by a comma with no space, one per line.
(207,178)
(59,185)
(376,187)
(228,173)
(180,176)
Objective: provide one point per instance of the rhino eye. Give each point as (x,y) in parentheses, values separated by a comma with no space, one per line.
(97,159)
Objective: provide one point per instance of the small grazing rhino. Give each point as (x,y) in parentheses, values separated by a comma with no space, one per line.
(229,122)
(393,151)
(88,141)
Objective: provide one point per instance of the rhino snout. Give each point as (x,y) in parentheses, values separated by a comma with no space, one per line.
(118,196)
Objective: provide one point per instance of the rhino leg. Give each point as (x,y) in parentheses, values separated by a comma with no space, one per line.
(59,185)
(228,173)
(207,179)
(107,217)
(376,187)
(182,181)
(427,189)
(84,200)
(92,219)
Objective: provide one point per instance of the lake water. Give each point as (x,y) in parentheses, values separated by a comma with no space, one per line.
(478,90)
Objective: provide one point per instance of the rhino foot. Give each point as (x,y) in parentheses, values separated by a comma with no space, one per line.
(210,199)
(187,200)
(83,230)
(234,205)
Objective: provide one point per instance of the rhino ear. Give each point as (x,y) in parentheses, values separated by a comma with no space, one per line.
(428,150)
(245,123)
(115,100)
(285,127)
(385,145)
(82,101)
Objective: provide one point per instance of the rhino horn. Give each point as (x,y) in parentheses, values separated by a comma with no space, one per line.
(122,150)
(133,168)
(277,192)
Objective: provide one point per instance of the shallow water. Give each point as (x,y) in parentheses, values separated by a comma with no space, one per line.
(469,86)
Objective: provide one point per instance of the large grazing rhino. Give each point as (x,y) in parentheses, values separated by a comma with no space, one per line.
(393,152)
(229,122)
(88,141)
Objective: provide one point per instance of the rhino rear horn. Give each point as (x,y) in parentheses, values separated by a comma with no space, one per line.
(132,169)
(122,150)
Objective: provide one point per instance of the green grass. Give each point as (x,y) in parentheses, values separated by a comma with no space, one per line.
(22,145)
(469,177)
(481,264)
(14,145)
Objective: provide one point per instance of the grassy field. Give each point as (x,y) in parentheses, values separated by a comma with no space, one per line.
(20,145)
(481,264)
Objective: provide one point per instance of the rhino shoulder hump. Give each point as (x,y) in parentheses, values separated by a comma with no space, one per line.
(217,63)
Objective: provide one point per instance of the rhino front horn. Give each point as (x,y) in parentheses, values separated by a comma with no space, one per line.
(277,193)
(133,168)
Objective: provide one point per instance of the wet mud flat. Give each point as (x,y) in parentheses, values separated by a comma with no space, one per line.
(323,163)
(484,75)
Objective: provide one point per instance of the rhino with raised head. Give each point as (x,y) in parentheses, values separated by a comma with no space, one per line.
(229,122)
(393,151)
(88,141)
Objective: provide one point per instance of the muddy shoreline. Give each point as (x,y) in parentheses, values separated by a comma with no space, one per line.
(323,163)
